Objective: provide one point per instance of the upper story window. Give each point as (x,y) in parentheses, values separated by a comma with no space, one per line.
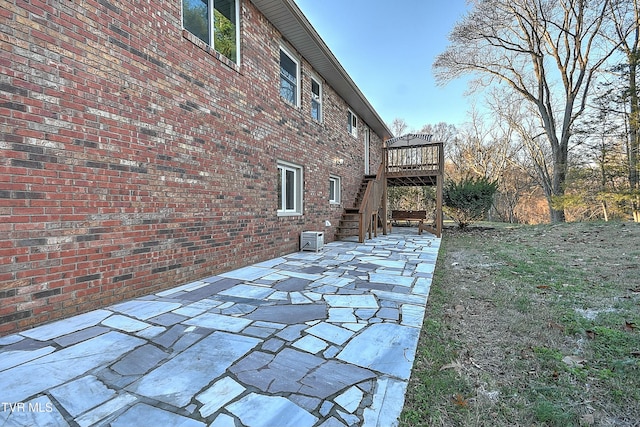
(316,100)
(216,23)
(289,78)
(352,123)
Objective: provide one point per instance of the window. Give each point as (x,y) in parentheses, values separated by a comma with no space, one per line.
(215,22)
(289,78)
(352,123)
(334,189)
(289,189)
(316,100)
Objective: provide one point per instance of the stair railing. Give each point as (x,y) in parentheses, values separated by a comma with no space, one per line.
(371,202)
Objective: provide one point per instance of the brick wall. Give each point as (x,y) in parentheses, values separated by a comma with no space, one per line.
(133,159)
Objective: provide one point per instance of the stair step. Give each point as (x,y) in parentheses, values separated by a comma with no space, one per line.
(351,216)
(352,226)
(341,235)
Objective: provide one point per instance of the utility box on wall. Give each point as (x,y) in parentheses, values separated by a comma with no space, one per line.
(311,240)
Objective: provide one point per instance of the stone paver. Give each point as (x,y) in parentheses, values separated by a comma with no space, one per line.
(142,414)
(309,339)
(383,347)
(94,391)
(64,327)
(218,395)
(350,399)
(255,410)
(178,380)
(39,375)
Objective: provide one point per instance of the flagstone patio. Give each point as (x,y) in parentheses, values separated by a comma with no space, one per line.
(309,339)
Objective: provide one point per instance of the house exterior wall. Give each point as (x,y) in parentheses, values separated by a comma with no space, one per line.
(133,160)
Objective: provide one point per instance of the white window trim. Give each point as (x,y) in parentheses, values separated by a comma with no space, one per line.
(298,75)
(212,29)
(318,99)
(337,189)
(298,191)
(351,116)
(367,151)
(238,29)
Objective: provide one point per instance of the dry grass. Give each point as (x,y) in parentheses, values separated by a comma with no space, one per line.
(531,326)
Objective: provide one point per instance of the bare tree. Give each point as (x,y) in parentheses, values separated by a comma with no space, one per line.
(520,116)
(546,51)
(481,149)
(399,126)
(487,148)
(442,132)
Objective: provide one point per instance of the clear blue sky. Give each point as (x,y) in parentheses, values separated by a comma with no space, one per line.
(388,47)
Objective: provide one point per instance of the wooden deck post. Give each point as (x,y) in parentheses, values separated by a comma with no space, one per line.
(385,211)
(439,219)
(439,189)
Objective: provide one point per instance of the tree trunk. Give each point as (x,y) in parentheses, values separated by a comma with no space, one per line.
(558,182)
(634,131)
(634,122)
(557,216)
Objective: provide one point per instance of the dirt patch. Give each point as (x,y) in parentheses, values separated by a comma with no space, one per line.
(535,326)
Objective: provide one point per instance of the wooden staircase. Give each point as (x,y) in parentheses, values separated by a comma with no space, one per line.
(349,224)
(359,219)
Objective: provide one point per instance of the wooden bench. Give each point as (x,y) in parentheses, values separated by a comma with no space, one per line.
(408,217)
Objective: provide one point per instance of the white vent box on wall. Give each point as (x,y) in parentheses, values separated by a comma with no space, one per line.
(311,240)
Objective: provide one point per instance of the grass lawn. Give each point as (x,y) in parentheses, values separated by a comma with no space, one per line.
(531,326)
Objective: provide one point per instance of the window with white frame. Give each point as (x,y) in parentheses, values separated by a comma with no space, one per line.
(352,123)
(316,99)
(290,183)
(215,22)
(334,189)
(289,78)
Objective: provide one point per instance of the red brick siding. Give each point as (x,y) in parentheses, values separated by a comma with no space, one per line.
(133,160)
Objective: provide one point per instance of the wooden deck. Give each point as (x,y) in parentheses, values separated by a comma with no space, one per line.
(414,161)
(408,161)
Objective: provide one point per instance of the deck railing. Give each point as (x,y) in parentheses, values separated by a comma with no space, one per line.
(416,159)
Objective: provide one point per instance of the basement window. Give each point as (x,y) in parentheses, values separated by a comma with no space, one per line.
(290,182)
(334,189)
